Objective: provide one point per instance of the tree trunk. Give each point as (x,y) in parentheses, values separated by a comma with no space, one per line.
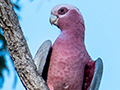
(18,48)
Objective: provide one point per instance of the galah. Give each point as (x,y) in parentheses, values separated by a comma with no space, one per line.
(66,65)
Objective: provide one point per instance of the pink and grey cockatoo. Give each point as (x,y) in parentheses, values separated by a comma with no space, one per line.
(66,65)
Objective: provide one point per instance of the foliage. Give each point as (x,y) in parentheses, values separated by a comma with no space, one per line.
(3,66)
(16,4)
(3,50)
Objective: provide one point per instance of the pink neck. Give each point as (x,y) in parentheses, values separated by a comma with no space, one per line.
(76,31)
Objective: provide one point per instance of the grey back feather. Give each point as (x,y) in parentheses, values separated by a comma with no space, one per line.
(97,75)
(41,56)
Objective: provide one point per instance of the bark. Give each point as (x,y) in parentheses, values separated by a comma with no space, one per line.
(18,48)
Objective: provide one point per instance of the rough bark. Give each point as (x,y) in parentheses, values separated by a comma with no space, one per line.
(18,48)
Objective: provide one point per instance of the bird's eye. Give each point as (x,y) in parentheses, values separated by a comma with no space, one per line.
(62,10)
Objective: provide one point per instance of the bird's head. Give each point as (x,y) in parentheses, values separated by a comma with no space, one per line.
(66,16)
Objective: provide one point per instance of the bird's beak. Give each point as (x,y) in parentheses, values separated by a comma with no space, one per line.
(53,19)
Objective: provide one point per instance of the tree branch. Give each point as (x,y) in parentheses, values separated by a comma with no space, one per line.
(18,48)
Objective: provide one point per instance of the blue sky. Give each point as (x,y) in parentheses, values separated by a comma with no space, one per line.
(102,22)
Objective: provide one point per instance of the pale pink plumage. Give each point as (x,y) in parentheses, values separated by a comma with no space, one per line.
(69,56)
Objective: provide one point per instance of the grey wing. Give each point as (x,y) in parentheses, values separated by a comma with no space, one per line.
(97,75)
(41,56)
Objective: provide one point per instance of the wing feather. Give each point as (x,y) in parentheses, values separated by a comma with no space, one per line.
(97,75)
(41,56)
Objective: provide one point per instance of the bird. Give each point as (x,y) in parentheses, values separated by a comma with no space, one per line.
(66,65)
